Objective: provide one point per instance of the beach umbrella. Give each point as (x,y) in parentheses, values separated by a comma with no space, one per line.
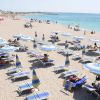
(17,35)
(8,48)
(18,63)
(35,79)
(66,34)
(93,67)
(78,37)
(95,41)
(48,47)
(97,51)
(26,38)
(2,42)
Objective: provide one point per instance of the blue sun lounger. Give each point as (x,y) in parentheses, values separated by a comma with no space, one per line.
(25,88)
(80,82)
(13,70)
(72,85)
(38,96)
(19,75)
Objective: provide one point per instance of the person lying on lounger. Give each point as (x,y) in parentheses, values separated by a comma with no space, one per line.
(73,78)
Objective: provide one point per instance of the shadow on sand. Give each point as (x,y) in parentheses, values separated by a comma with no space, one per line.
(82,94)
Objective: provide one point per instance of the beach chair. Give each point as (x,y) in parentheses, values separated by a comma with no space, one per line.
(60,68)
(50,61)
(38,96)
(19,75)
(86,59)
(74,85)
(69,73)
(13,70)
(76,57)
(25,88)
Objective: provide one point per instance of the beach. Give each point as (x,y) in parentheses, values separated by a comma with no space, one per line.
(50,81)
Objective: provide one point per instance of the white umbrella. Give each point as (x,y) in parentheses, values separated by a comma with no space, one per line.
(78,37)
(93,67)
(26,38)
(8,49)
(18,35)
(66,34)
(2,42)
(95,41)
(97,51)
(48,47)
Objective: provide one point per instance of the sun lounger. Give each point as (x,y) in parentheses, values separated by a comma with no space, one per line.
(73,85)
(38,96)
(19,75)
(13,70)
(69,73)
(50,61)
(76,57)
(86,59)
(59,68)
(25,88)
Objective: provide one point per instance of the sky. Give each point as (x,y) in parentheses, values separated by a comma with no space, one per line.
(81,6)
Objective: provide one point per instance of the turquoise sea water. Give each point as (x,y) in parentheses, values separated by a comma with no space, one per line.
(86,21)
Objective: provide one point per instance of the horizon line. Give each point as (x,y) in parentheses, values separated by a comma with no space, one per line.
(50,12)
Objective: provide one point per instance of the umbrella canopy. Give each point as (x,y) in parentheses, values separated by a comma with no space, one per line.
(97,51)
(78,37)
(95,41)
(66,34)
(2,42)
(48,47)
(26,38)
(93,67)
(18,63)
(8,48)
(18,35)
(35,80)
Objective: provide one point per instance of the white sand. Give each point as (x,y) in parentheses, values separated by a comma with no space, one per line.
(49,80)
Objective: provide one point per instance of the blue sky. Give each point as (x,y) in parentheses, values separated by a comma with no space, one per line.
(83,6)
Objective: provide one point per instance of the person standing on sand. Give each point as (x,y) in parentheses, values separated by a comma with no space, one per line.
(66,44)
(43,38)
(35,34)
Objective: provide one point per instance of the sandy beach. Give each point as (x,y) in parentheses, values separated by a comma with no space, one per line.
(50,81)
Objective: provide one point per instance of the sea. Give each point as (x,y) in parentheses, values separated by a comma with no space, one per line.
(84,20)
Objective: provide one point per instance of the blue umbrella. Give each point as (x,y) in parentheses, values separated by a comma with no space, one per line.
(93,67)
(48,47)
